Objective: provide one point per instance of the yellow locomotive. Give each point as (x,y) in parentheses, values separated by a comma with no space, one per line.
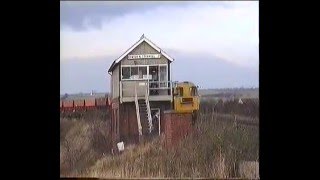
(186,98)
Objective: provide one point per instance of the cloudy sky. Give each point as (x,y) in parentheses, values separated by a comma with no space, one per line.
(214,44)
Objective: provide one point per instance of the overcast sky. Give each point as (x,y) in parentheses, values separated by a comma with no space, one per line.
(218,41)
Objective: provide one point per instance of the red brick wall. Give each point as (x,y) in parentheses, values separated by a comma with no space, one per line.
(128,123)
(176,126)
(128,126)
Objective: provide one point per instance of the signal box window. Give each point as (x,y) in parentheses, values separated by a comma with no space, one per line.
(134,73)
(142,72)
(125,72)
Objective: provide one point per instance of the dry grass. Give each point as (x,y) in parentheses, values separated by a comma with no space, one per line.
(82,143)
(214,150)
(249,108)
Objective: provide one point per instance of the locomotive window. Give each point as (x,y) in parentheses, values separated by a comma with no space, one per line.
(180,91)
(194,91)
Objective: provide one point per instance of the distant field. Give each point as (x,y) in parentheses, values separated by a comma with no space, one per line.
(211,93)
(229,93)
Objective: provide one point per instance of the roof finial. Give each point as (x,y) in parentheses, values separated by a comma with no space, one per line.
(142,36)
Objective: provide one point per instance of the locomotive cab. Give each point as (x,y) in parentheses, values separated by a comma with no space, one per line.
(186,98)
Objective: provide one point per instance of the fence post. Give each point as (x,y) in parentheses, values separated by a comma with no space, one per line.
(212,115)
(235,120)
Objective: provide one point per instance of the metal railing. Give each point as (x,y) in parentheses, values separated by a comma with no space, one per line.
(148,110)
(137,111)
(158,87)
(153,88)
(127,88)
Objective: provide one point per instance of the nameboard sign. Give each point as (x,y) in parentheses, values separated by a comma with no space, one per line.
(144,56)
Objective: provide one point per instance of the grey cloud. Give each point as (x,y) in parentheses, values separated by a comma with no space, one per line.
(208,71)
(74,13)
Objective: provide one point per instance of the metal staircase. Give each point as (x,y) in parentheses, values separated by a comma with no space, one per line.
(143,114)
(143,110)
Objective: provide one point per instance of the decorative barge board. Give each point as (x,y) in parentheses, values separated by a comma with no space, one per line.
(141,90)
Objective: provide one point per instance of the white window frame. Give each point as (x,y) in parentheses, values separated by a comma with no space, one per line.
(121,73)
(148,66)
(130,72)
(166,75)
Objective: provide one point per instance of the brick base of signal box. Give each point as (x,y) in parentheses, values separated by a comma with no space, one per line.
(176,127)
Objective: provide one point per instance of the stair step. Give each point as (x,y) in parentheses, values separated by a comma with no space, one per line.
(143,112)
